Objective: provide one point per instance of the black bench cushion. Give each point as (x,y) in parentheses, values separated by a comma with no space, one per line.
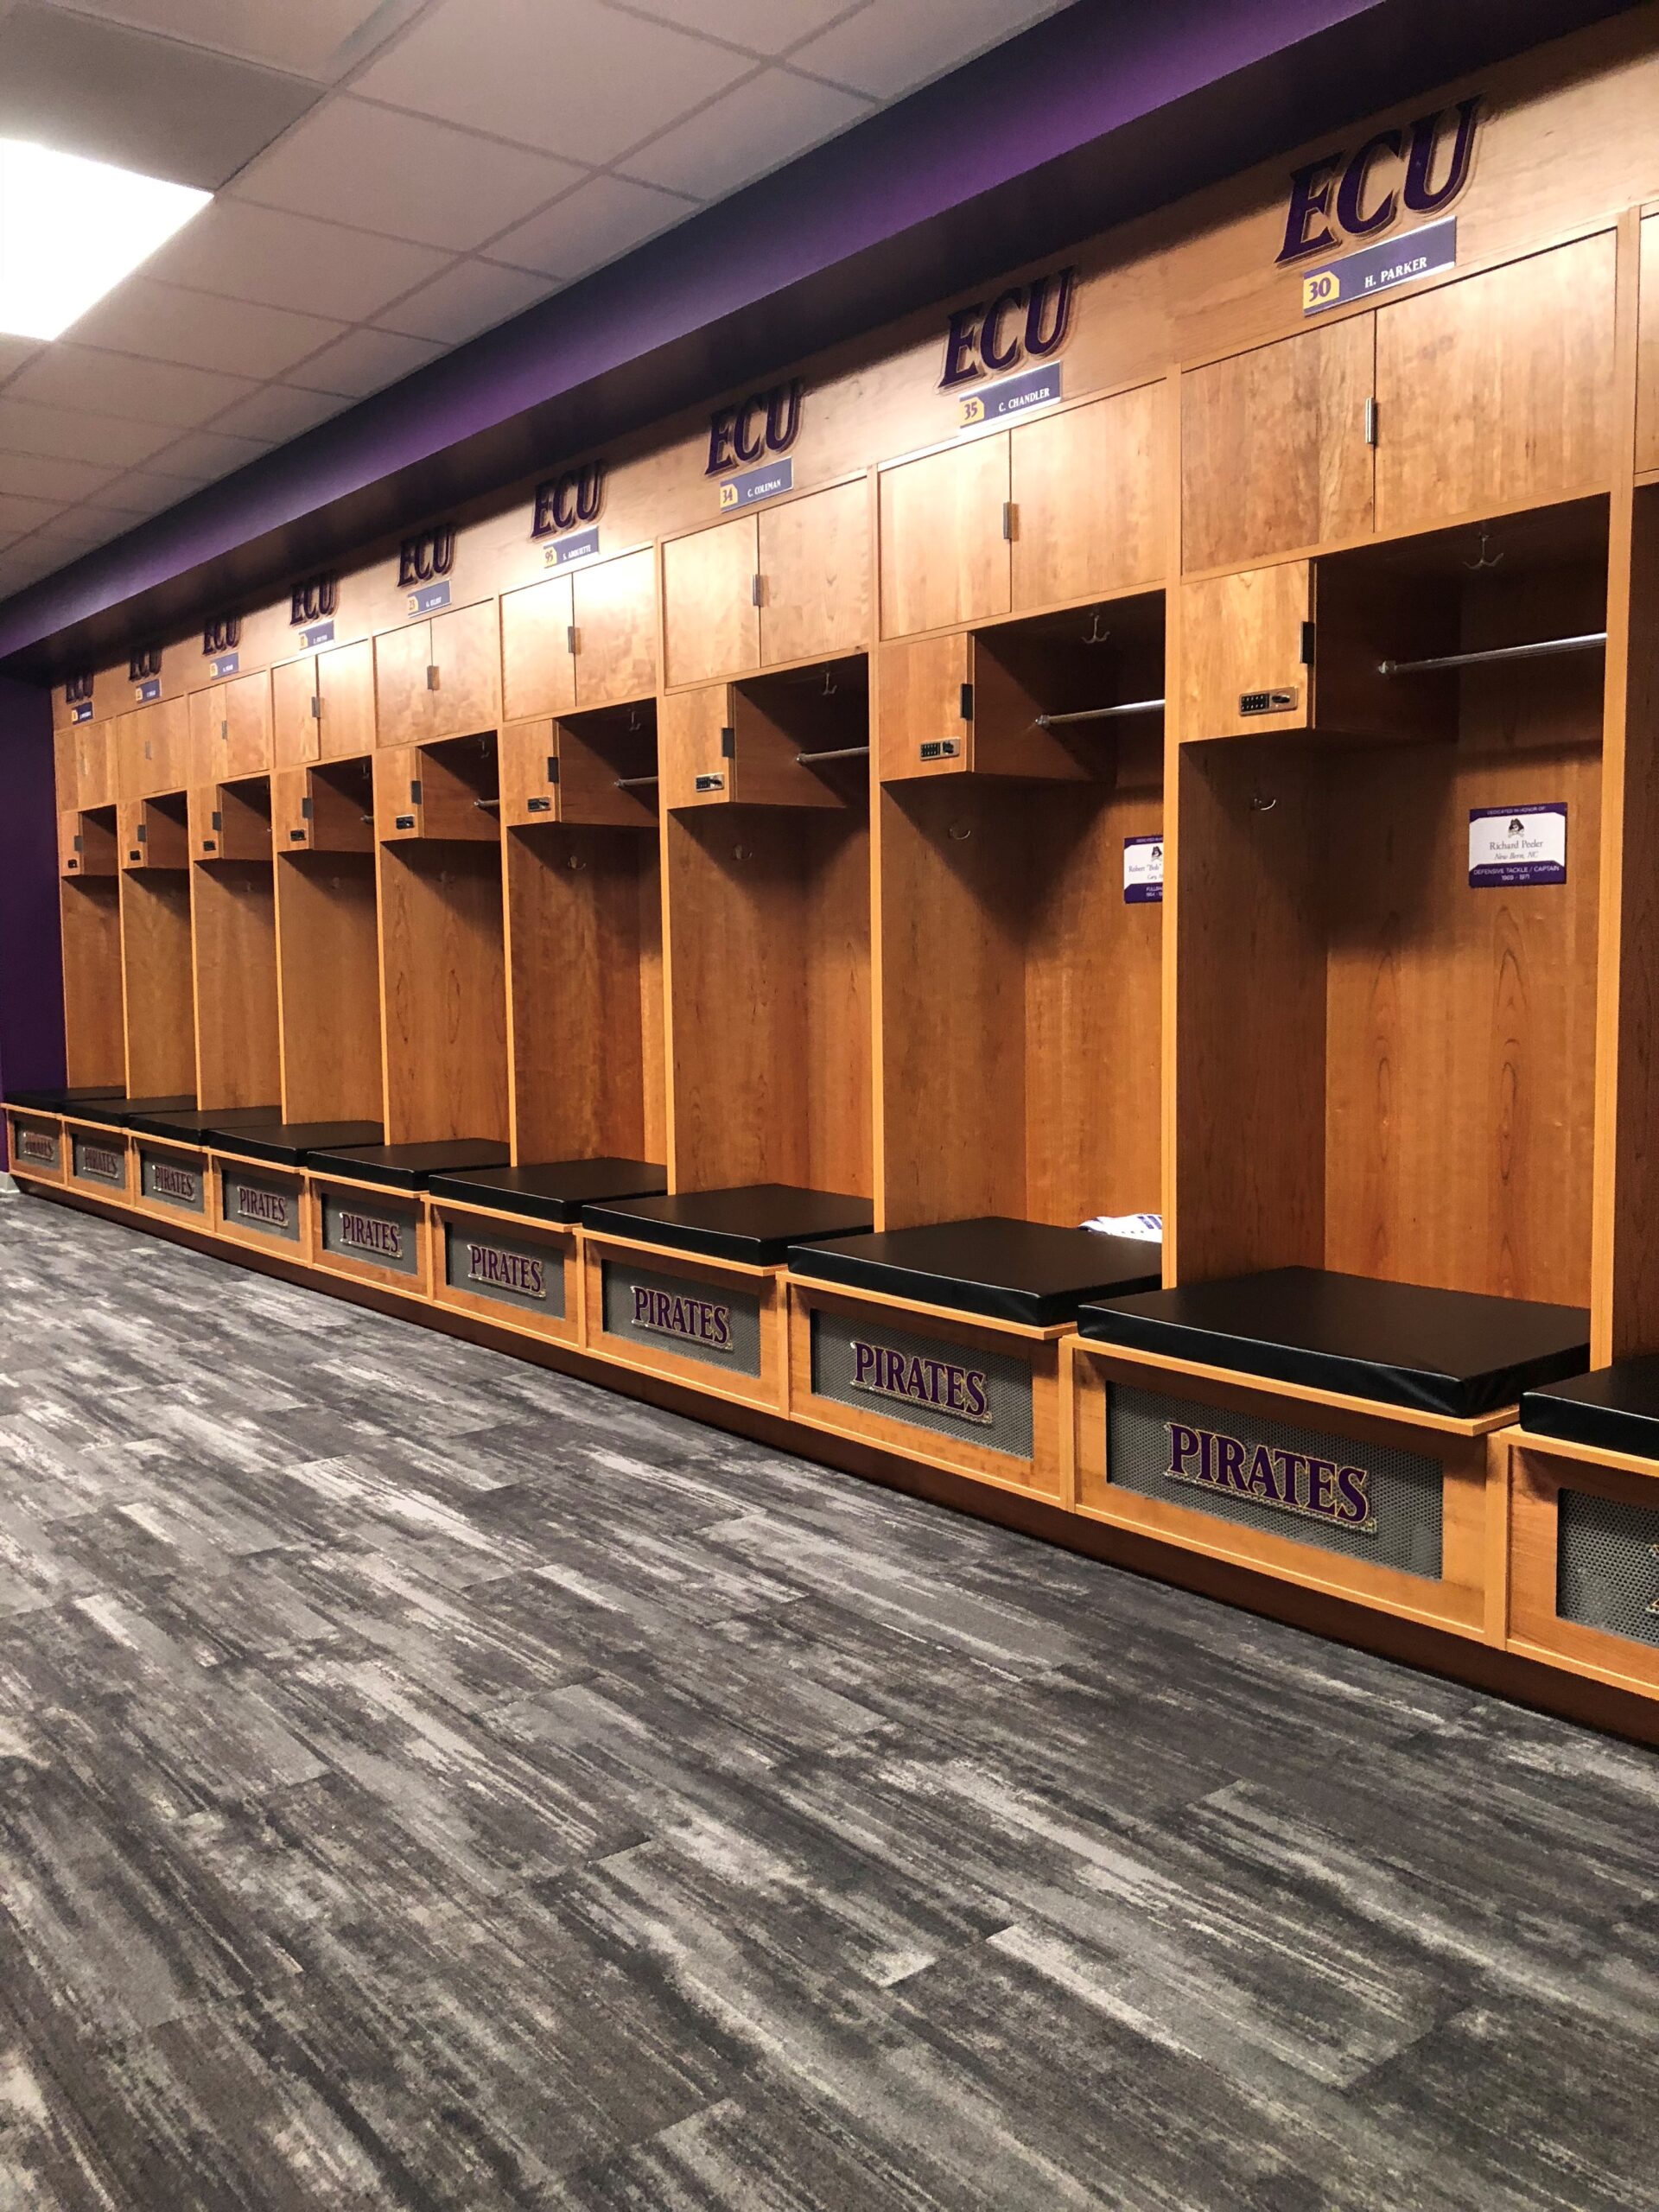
(290,1143)
(63,1102)
(192,1128)
(122,1112)
(754,1223)
(1614,1409)
(1441,1351)
(407,1167)
(1021,1271)
(551,1190)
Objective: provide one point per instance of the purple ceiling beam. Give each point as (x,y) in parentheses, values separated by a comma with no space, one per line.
(1109,108)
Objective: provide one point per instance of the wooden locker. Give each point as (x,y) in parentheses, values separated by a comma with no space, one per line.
(945,526)
(1089,494)
(224,825)
(71,859)
(398,790)
(695,740)
(1647,397)
(538,668)
(711,616)
(95,764)
(247,725)
(918,720)
(1274,450)
(814,556)
(438,679)
(152,834)
(1242,641)
(206,714)
(295,720)
(1497,392)
(156,740)
(346,701)
(614,604)
(66,768)
(550,772)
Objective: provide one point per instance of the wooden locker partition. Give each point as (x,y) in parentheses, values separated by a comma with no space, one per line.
(443,991)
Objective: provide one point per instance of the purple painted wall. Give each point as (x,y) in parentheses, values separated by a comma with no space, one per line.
(31,960)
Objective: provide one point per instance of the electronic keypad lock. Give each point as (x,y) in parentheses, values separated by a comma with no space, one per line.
(1281,702)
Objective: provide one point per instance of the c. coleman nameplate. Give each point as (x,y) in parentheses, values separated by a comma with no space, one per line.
(508,1270)
(984,1397)
(1371,1501)
(699,1320)
(263,1208)
(98,1163)
(171,1181)
(364,1228)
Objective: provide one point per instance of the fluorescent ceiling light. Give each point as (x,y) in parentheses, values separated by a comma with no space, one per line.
(70,230)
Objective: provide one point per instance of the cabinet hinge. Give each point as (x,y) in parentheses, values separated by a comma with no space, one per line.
(552,767)
(1307,644)
(727,743)
(305,810)
(216,820)
(967,702)
(414,791)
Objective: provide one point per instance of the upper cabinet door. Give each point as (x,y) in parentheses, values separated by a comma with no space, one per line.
(711,618)
(94,764)
(207,718)
(158,741)
(403,690)
(814,575)
(538,670)
(1089,496)
(1647,398)
(247,725)
(1497,392)
(944,538)
(346,701)
(615,606)
(467,655)
(1274,454)
(296,728)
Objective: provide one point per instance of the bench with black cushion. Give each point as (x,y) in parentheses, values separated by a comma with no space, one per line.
(551,1190)
(1454,1353)
(407,1167)
(124,1113)
(1614,1409)
(192,1128)
(64,1102)
(1025,1272)
(288,1143)
(754,1224)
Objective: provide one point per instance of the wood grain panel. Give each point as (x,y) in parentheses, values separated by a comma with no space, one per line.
(1497,392)
(614,603)
(814,560)
(157,984)
(346,694)
(917,700)
(1273,455)
(247,725)
(328,978)
(404,699)
(466,653)
(93,1027)
(689,745)
(235,940)
(444,990)
(1090,495)
(1647,394)
(944,558)
(538,670)
(711,626)
(295,724)
(1243,633)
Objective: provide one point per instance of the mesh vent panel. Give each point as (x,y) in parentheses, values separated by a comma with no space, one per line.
(1607,1566)
(1394,1502)
(681,1314)
(368,1229)
(264,1209)
(94,1162)
(511,1271)
(983,1397)
(171,1181)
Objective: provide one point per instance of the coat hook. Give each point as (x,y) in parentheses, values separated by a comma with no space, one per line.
(830,687)
(1093,635)
(633,722)
(1486,560)
(960,832)
(1260,805)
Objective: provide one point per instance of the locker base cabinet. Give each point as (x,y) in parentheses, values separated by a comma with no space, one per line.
(1584,1559)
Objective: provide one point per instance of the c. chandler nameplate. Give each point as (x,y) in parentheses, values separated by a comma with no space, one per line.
(1370,1501)
(264,1209)
(356,1228)
(93,1162)
(679,1313)
(169,1181)
(510,1270)
(983,1398)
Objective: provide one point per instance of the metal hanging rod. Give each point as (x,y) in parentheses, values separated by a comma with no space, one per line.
(1102,713)
(487,805)
(632,782)
(1545,646)
(833,752)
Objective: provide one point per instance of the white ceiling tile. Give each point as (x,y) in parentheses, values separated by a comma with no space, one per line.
(205,454)
(77,531)
(471,296)
(240,337)
(18,514)
(746,133)
(14,351)
(364,362)
(571,76)
(764,26)
(143,492)
(892,46)
(116,383)
(279,411)
(403,175)
(67,433)
(591,226)
(285,260)
(39,477)
(301,35)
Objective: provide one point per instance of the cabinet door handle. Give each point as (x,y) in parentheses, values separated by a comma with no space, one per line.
(432,676)
(570,640)
(316,707)
(754,591)
(1010,517)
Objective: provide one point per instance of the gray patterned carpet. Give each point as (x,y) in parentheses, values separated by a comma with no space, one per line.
(429,1782)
